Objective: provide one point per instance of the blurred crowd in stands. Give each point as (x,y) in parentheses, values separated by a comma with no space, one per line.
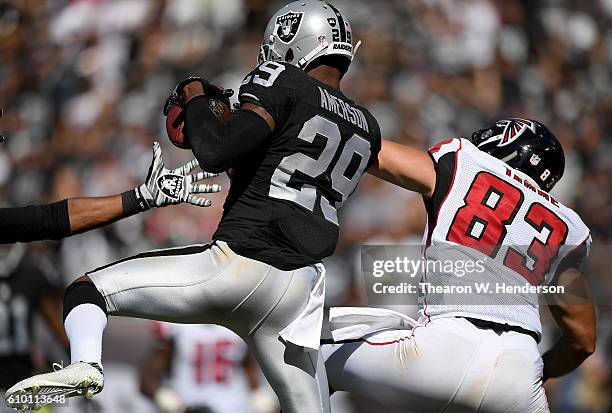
(83,82)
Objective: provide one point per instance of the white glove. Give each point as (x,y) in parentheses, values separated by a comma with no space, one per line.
(168,187)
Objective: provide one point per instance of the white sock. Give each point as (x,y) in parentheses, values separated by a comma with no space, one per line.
(84,327)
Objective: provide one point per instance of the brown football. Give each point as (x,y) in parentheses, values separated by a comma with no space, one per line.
(175,120)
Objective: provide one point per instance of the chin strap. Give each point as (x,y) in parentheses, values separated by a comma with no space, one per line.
(303,62)
(355,49)
(265,55)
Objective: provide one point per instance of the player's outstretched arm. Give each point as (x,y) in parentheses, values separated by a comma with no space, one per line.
(404,166)
(218,145)
(575,314)
(75,215)
(162,187)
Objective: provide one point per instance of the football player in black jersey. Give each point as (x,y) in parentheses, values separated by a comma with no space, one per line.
(297,147)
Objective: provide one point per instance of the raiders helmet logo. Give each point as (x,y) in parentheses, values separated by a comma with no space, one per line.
(170,185)
(288,25)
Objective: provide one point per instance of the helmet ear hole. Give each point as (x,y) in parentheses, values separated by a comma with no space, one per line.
(289,56)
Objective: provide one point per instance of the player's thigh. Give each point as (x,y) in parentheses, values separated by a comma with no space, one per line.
(516,380)
(297,376)
(512,390)
(372,367)
(197,284)
(402,369)
(283,295)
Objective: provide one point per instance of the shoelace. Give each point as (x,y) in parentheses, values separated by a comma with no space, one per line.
(97,367)
(60,366)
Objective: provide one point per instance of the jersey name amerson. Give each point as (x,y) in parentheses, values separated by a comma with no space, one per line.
(343,109)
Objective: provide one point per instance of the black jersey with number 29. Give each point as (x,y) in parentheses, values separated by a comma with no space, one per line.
(284,196)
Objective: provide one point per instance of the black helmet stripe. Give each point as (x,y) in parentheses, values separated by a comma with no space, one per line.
(340,23)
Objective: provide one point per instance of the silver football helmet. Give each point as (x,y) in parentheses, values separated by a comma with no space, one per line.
(305,30)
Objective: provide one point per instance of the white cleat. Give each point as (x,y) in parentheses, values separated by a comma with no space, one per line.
(78,379)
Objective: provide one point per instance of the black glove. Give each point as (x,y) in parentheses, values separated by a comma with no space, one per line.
(210,91)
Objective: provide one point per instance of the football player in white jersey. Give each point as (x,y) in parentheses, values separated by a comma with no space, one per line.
(487,199)
(199,366)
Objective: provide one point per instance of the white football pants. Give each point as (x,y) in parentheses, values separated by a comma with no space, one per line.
(447,365)
(213,285)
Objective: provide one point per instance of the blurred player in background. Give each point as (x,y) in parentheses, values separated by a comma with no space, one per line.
(193,367)
(298,148)
(486,199)
(29,285)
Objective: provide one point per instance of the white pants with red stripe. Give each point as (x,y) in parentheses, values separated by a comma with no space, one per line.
(447,365)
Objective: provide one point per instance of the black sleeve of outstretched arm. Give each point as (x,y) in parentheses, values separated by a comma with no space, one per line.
(218,145)
(34,223)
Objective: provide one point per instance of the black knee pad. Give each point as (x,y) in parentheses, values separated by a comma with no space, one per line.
(82,292)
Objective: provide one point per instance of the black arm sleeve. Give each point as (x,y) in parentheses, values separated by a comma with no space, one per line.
(217,145)
(34,223)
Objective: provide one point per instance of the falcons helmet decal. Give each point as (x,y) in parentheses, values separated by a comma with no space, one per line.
(512,130)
